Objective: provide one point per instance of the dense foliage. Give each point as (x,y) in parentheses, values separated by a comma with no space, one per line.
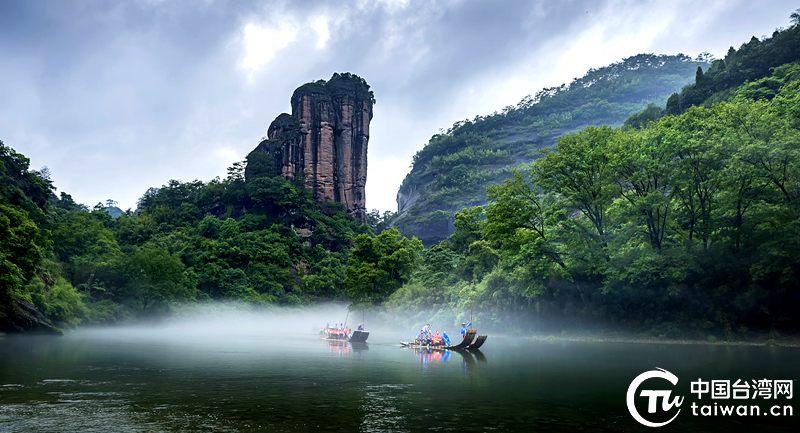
(753,61)
(689,225)
(263,241)
(455,167)
(757,70)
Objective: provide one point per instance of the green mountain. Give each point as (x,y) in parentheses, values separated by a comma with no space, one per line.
(453,170)
(683,222)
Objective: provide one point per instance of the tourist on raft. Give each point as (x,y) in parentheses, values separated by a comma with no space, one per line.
(360,326)
(426,337)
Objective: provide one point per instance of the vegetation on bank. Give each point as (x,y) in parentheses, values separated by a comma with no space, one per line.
(679,224)
(688,226)
(263,241)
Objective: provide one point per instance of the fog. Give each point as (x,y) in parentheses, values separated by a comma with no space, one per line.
(215,324)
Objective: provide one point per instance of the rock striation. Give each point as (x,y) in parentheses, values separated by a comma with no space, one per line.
(325,140)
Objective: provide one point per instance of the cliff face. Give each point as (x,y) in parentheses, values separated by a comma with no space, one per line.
(325,138)
(19,317)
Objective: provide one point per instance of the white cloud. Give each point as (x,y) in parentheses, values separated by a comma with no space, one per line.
(383,178)
(261,44)
(320,25)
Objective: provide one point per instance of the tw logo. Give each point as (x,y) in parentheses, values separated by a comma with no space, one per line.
(653,396)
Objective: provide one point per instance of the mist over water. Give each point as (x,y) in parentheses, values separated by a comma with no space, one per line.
(229,368)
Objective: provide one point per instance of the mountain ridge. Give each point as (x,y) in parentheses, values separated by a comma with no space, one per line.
(454,168)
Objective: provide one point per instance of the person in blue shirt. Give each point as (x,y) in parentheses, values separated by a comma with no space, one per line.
(360,326)
(445,338)
(464,327)
(426,328)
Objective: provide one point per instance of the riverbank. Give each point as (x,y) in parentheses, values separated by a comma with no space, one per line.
(620,337)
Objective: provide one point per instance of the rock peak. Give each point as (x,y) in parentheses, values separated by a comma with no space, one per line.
(325,139)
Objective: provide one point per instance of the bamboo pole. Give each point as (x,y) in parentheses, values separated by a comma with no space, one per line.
(471,300)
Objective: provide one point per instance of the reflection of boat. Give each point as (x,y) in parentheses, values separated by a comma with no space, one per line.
(344,348)
(465,344)
(434,355)
(478,355)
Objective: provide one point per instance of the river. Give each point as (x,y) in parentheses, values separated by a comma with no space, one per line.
(252,379)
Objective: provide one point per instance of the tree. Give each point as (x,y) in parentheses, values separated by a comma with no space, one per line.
(378,222)
(642,169)
(580,171)
(155,277)
(20,257)
(695,138)
(469,225)
(379,265)
(81,234)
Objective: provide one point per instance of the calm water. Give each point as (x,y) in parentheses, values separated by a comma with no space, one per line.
(179,380)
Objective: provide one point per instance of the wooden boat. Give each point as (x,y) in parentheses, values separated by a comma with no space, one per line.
(337,334)
(478,342)
(465,344)
(359,336)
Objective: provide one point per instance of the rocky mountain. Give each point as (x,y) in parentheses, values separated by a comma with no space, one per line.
(454,168)
(325,139)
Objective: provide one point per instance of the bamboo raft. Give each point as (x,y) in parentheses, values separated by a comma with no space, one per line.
(466,344)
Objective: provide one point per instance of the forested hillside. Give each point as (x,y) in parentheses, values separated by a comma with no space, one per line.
(454,168)
(688,226)
(684,222)
(758,69)
(263,241)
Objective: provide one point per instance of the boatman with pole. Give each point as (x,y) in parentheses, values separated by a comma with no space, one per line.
(464,327)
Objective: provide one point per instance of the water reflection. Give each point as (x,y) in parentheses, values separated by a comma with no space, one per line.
(436,358)
(346,348)
(156,382)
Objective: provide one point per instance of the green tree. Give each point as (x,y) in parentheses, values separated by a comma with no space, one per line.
(580,170)
(156,277)
(20,257)
(379,265)
(642,166)
(81,234)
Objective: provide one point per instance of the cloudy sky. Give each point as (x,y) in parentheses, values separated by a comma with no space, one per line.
(117,97)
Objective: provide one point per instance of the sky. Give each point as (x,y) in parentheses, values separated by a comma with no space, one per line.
(117,97)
